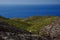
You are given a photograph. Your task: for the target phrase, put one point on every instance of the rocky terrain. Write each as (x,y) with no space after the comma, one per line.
(52,31)
(8,32)
(32,28)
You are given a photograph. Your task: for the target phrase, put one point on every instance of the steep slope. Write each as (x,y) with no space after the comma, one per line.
(39,22)
(32,24)
(10,32)
(47,26)
(52,31)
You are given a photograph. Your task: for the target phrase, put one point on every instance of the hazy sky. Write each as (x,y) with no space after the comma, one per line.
(29,1)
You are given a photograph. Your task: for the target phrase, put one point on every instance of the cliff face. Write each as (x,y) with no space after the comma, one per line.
(52,31)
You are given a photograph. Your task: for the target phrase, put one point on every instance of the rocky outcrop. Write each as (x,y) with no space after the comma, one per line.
(52,31)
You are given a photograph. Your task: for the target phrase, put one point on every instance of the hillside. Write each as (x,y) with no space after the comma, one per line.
(47,27)
(32,24)
(52,30)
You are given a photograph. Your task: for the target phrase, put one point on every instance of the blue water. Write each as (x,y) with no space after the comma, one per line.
(23,11)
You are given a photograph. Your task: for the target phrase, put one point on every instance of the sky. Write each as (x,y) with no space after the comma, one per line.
(29,1)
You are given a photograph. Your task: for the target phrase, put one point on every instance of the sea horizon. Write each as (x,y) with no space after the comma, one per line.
(24,11)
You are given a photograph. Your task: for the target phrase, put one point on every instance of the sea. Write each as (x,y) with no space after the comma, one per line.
(24,11)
